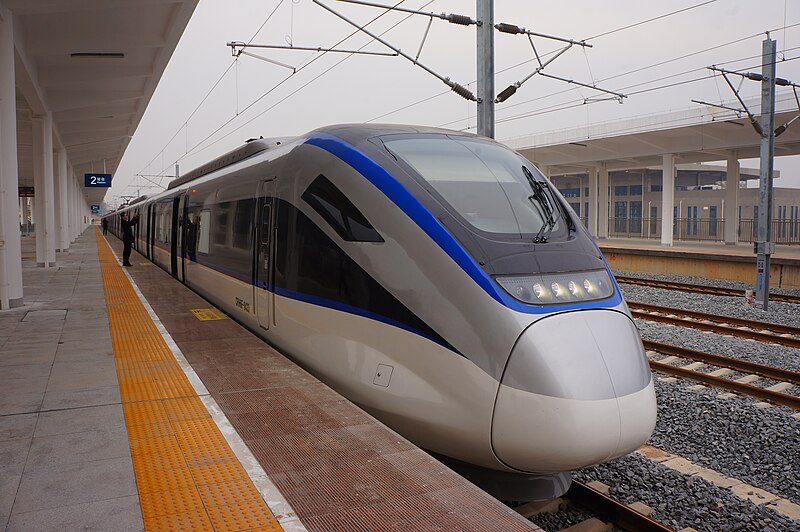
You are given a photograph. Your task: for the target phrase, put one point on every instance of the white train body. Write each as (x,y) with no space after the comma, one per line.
(383,260)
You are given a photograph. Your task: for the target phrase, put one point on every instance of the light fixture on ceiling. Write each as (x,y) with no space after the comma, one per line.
(101,55)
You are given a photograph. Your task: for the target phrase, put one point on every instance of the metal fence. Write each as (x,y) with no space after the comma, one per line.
(702,229)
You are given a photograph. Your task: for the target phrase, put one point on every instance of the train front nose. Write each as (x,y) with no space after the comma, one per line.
(577,391)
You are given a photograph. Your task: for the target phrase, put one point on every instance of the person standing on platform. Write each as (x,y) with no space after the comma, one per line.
(127,237)
(104,223)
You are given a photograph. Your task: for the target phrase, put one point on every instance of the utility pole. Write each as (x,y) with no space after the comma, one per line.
(485,99)
(765,247)
(485,16)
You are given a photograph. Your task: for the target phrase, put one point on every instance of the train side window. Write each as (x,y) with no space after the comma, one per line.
(243,224)
(204,231)
(339,212)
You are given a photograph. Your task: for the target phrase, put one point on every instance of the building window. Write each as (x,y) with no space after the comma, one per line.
(636,217)
(620,216)
(570,192)
(621,190)
(712,223)
(655,188)
(691,221)
(635,190)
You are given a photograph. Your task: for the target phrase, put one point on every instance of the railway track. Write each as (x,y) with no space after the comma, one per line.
(607,509)
(787,378)
(700,289)
(756,330)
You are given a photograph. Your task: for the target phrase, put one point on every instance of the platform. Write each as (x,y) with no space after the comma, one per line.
(107,416)
(713,260)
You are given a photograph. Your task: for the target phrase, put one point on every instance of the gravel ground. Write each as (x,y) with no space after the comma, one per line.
(703,281)
(731,436)
(779,356)
(778,312)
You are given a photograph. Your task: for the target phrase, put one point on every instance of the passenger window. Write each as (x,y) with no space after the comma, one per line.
(204,231)
(339,212)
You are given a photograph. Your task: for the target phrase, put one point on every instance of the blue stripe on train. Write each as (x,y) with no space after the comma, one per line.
(397,193)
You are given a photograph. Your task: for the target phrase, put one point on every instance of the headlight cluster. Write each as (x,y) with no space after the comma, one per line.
(554,288)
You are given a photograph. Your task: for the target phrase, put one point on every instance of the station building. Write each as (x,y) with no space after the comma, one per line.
(654,176)
(699,210)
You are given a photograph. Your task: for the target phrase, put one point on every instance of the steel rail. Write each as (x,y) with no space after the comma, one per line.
(761,393)
(611,510)
(721,324)
(719,360)
(700,289)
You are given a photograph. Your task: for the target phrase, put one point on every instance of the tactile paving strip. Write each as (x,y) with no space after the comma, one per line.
(187,476)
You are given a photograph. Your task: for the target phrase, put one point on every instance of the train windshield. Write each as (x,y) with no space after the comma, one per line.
(491,187)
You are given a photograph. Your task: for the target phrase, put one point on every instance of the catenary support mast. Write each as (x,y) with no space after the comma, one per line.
(485,16)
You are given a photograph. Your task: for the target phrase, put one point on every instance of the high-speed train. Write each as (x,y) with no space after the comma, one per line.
(435,278)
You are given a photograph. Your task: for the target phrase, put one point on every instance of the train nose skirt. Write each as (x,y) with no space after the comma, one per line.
(576,391)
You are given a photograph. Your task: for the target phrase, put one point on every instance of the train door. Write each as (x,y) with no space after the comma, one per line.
(151,230)
(263,253)
(175,237)
(182,232)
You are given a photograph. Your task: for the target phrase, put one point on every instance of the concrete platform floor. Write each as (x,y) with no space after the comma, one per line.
(65,457)
(65,462)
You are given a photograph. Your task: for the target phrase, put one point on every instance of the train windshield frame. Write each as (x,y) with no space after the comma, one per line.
(495,191)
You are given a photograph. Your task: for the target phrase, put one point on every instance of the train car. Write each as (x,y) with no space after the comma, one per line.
(435,278)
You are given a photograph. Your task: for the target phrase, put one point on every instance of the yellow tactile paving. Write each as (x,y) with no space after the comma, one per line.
(187,476)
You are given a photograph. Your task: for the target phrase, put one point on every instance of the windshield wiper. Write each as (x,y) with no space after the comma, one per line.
(543,204)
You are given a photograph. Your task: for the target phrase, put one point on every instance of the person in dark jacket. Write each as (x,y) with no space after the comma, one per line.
(104,223)
(127,237)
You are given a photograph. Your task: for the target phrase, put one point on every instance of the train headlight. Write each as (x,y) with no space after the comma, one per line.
(541,292)
(551,288)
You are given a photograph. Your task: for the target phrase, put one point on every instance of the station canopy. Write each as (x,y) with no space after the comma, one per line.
(696,135)
(95,65)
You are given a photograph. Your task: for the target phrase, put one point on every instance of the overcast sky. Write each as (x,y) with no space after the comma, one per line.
(258,98)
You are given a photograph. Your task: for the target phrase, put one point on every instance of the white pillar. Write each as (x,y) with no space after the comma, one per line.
(10,245)
(62,202)
(74,203)
(43,181)
(591,178)
(602,201)
(75,211)
(731,213)
(667,198)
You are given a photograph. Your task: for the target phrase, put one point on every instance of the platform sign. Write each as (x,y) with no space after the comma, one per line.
(26,192)
(95,209)
(97,180)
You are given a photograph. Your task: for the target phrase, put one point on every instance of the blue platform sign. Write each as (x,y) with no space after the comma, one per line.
(97,180)
(95,209)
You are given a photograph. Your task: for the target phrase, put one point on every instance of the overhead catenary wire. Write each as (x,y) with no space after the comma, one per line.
(622,74)
(567,105)
(647,82)
(197,147)
(211,90)
(626,88)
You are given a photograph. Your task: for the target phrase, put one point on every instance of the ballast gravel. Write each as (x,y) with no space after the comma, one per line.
(732,436)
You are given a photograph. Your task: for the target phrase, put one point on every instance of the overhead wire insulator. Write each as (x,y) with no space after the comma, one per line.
(454,18)
(509,28)
(461,90)
(507,93)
